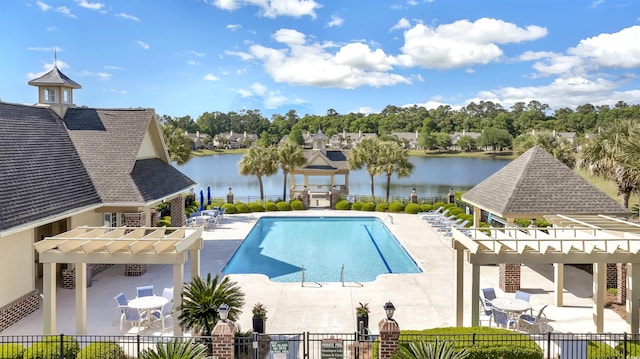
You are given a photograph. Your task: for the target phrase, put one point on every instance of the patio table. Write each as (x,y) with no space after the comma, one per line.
(512,306)
(146,306)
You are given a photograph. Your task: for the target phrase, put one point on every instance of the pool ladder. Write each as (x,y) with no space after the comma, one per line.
(389,218)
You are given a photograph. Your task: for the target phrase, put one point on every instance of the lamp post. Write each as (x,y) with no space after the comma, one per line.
(389,309)
(223,310)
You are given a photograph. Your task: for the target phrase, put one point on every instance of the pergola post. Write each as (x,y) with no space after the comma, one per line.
(194,263)
(178,274)
(475,292)
(599,287)
(633,297)
(477,212)
(459,289)
(49,302)
(81,298)
(558,279)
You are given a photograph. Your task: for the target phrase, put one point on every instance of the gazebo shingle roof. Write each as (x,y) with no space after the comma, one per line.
(537,184)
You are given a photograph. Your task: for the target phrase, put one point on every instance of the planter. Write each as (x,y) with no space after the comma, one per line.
(258,325)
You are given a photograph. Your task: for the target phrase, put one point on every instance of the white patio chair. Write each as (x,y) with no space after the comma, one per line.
(128,315)
(534,324)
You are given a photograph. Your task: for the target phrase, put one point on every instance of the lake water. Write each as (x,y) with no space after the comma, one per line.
(432,176)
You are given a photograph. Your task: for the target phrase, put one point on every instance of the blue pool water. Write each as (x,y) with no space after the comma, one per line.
(280,246)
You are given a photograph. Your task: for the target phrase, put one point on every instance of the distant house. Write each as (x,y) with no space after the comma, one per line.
(455,137)
(62,167)
(231,140)
(198,140)
(347,140)
(408,140)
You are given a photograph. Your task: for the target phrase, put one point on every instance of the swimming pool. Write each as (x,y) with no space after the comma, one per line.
(279,247)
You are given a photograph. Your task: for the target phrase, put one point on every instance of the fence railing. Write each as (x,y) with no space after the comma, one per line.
(330,345)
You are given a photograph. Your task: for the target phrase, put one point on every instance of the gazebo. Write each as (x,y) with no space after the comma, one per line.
(588,227)
(115,245)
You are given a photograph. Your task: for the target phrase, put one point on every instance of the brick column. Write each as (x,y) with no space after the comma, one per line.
(154,217)
(509,277)
(176,206)
(305,198)
(222,339)
(622,282)
(334,198)
(389,337)
(134,220)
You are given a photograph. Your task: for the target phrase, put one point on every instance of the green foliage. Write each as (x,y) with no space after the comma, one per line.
(382,207)
(229,208)
(357,206)
(426,350)
(633,349)
(242,208)
(175,349)
(102,350)
(456,211)
(11,350)
(425,207)
(612,291)
(438,205)
(283,206)
(412,208)
(256,207)
(368,206)
(165,221)
(396,207)
(343,205)
(49,348)
(201,300)
(297,205)
(505,352)
(598,350)
(270,206)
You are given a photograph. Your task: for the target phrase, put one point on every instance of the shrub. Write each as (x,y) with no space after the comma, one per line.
(598,350)
(412,208)
(283,206)
(382,207)
(49,348)
(425,207)
(102,350)
(165,221)
(456,211)
(368,206)
(396,207)
(343,205)
(297,205)
(11,351)
(270,206)
(242,208)
(357,206)
(256,207)
(230,208)
(438,205)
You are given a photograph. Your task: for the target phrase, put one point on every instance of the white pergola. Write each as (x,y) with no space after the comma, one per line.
(115,245)
(575,239)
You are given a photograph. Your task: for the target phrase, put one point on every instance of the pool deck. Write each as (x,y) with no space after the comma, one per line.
(422,300)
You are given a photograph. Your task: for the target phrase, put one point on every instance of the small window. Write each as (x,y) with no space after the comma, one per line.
(66,96)
(49,95)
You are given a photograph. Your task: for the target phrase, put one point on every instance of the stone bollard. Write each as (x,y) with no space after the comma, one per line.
(230,196)
(222,340)
(389,338)
(413,198)
(305,198)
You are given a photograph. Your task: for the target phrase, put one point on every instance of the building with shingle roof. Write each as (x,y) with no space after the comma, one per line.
(536,184)
(62,167)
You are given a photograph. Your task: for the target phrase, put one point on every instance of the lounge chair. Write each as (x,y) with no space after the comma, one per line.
(128,315)
(144,291)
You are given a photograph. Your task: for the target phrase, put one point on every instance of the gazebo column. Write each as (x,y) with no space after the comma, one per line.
(459,286)
(194,262)
(633,297)
(477,212)
(178,274)
(81,298)
(599,288)
(49,302)
(509,277)
(558,279)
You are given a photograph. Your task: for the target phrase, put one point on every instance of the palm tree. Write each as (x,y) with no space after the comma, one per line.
(606,156)
(366,155)
(436,350)
(201,299)
(259,161)
(175,349)
(394,159)
(290,157)
(178,144)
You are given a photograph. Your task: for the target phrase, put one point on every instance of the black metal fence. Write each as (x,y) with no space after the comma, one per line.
(326,345)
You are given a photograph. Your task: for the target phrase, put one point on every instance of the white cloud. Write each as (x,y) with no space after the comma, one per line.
(46,68)
(259,89)
(273,8)
(351,66)
(617,50)
(535,55)
(233,27)
(99,75)
(197,54)
(596,3)
(193,62)
(60,9)
(92,6)
(462,43)
(336,21)
(111,67)
(127,17)
(274,100)
(401,24)
(245,93)
(211,77)
(44,6)
(47,49)
(143,44)
(242,55)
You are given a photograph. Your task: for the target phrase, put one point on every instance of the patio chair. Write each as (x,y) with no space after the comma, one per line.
(487,312)
(189,222)
(128,315)
(523,295)
(489,295)
(144,291)
(502,319)
(533,324)
(221,212)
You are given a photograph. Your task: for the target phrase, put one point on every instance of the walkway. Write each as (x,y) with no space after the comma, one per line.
(422,300)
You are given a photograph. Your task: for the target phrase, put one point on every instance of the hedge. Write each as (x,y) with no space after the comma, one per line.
(368,206)
(49,348)
(357,206)
(11,351)
(256,207)
(270,206)
(297,205)
(425,207)
(230,208)
(283,206)
(343,205)
(396,207)
(102,350)
(412,208)
(242,208)
(382,207)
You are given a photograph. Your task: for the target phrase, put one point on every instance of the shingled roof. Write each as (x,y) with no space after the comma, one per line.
(537,184)
(41,172)
(55,77)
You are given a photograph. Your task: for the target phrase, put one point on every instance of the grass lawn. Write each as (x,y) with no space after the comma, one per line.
(607,186)
(507,155)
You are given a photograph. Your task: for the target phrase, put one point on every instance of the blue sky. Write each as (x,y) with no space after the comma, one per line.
(187,57)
